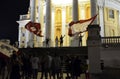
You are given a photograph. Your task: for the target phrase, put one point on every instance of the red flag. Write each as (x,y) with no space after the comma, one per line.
(34,28)
(79,26)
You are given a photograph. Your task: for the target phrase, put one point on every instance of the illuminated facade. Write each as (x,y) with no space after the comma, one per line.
(55,15)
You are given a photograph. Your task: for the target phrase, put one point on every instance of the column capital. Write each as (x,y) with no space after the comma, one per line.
(101,7)
(100,4)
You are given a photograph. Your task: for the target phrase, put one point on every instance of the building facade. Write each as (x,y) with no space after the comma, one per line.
(55,15)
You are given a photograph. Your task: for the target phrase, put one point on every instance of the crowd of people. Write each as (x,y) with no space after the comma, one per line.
(51,66)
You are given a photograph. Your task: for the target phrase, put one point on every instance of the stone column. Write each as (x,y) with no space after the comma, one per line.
(32,11)
(75,10)
(48,20)
(101,19)
(32,18)
(75,40)
(53,26)
(94,43)
(64,25)
(93,9)
(100,5)
(41,20)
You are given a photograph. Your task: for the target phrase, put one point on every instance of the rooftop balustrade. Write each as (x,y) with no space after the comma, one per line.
(110,41)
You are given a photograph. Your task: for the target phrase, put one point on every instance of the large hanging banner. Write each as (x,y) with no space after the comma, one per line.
(79,26)
(6,49)
(35,28)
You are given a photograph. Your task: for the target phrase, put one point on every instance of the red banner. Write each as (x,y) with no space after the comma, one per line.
(34,28)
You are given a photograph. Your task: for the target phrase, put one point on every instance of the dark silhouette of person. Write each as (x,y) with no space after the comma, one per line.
(23,59)
(46,65)
(102,64)
(77,67)
(47,42)
(56,41)
(72,67)
(3,63)
(15,67)
(56,66)
(61,40)
(26,67)
(35,65)
(80,40)
(68,67)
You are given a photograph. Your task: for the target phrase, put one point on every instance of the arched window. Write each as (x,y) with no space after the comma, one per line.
(58,17)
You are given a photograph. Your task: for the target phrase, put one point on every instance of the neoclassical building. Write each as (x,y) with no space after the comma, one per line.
(55,15)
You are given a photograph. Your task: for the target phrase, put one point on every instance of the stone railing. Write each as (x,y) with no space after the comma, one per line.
(110,41)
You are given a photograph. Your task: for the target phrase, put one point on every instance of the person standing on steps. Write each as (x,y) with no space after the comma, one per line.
(61,40)
(47,40)
(80,40)
(56,41)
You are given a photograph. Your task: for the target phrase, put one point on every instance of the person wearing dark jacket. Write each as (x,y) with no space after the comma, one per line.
(77,68)
(15,67)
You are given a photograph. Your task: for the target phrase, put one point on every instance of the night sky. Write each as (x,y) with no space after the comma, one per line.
(9,14)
